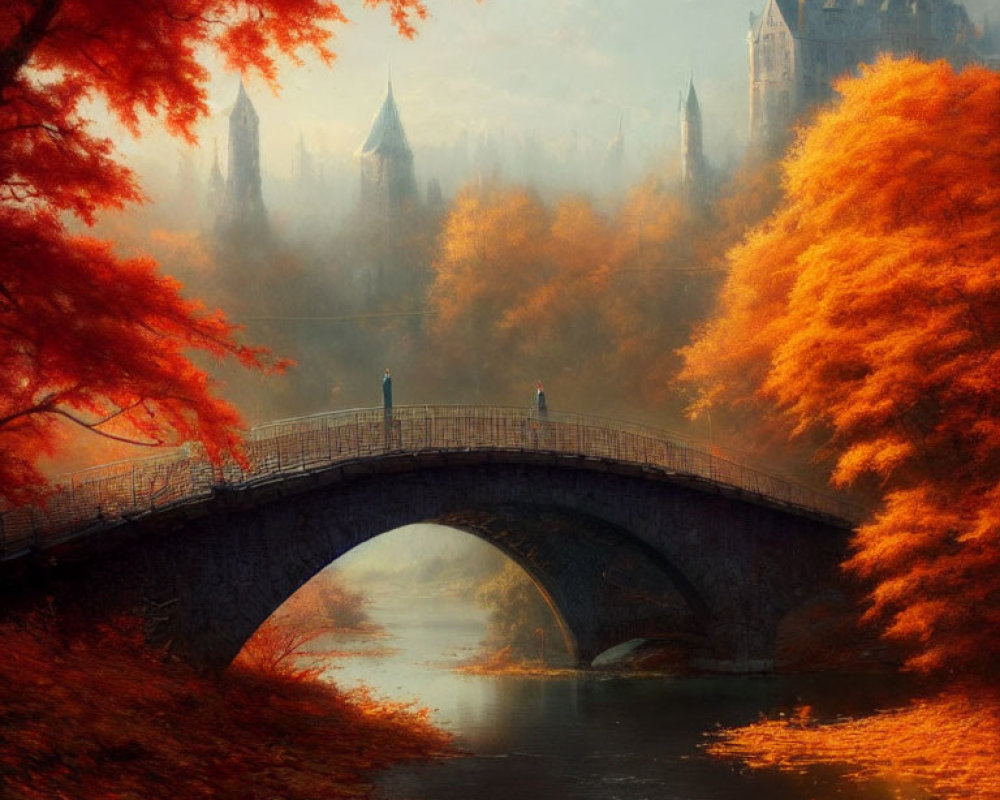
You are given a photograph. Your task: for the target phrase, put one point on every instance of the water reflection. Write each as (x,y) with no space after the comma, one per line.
(588,736)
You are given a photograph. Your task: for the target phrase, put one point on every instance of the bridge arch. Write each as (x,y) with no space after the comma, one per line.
(705,557)
(605,585)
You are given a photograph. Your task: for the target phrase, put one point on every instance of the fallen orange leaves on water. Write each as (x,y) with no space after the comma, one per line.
(949,745)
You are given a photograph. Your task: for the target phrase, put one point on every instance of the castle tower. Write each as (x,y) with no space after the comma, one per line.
(798,48)
(243,206)
(693,166)
(774,87)
(388,184)
(216,183)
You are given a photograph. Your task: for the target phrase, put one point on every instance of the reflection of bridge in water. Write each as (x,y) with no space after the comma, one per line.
(628,531)
(102,497)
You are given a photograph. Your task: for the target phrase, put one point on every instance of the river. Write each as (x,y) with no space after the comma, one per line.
(593,736)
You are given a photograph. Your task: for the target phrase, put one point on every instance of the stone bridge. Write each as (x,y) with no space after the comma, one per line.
(630,532)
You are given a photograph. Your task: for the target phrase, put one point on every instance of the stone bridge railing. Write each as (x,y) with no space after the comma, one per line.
(97,498)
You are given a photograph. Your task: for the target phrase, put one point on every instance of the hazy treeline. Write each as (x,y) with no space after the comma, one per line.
(472,300)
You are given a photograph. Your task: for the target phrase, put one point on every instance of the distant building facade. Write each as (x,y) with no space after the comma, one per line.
(388,182)
(799,47)
(242,208)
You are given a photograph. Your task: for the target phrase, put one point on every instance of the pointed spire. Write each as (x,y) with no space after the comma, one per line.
(386,134)
(243,208)
(243,105)
(616,147)
(388,185)
(693,169)
(215,175)
(691,105)
(216,183)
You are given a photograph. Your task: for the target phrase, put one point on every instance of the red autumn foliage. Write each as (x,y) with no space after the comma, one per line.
(867,311)
(90,338)
(95,715)
(324,605)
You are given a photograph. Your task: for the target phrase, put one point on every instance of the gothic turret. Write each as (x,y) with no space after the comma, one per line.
(216,183)
(693,167)
(243,206)
(388,185)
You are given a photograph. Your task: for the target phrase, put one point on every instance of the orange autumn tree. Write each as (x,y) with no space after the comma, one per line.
(868,308)
(491,259)
(89,338)
(593,303)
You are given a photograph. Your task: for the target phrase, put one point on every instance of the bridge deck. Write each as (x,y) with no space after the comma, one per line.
(104,496)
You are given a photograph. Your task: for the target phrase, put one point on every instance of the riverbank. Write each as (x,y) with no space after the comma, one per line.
(96,715)
(948,745)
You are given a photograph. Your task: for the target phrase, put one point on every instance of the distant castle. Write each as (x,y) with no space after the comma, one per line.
(799,47)
(388,182)
(694,167)
(388,185)
(241,206)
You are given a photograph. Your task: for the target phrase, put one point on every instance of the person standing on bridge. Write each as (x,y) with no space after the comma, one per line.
(540,405)
(387,408)
(387,390)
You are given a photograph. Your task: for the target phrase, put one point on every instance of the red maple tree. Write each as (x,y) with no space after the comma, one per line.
(87,337)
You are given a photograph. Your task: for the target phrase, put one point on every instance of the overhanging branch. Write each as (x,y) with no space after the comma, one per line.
(16,54)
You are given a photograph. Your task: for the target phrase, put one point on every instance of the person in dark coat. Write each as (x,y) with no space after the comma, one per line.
(387,408)
(387,389)
(540,405)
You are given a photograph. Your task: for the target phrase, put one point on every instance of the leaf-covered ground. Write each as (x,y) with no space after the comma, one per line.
(97,716)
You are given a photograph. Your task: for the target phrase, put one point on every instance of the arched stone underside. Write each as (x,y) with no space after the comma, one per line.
(604,584)
(621,555)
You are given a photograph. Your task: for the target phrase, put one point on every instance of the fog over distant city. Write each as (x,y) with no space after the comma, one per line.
(568,100)
(512,84)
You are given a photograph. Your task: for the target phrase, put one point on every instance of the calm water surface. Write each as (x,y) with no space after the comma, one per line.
(588,736)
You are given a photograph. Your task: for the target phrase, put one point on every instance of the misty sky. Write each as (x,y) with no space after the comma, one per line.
(558,71)
(561,71)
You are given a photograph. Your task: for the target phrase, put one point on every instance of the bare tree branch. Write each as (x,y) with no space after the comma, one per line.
(91,427)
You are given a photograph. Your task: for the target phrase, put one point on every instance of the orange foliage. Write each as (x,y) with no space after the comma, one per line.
(90,338)
(868,309)
(594,304)
(280,650)
(325,603)
(491,259)
(505,662)
(280,646)
(97,716)
(949,746)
